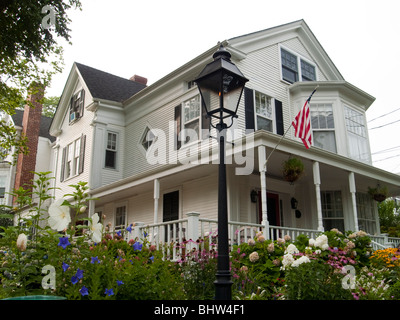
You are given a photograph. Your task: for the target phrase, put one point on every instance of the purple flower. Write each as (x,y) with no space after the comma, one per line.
(129,228)
(137,246)
(65,266)
(84,291)
(79,274)
(64,242)
(109,292)
(94,259)
(74,279)
(119,282)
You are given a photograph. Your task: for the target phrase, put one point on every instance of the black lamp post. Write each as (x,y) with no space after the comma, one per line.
(221,85)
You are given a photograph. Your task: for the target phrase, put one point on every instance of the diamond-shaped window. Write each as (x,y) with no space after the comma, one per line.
(148,138)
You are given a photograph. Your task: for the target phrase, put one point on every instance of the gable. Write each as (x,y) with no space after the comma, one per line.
(297,36)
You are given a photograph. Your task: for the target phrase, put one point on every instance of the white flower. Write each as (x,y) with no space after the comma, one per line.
(96,228)
(21,242)
(322,242)
(287,261)
(311,242)
(291,248)
(254,256)
(59,217)
(303,259)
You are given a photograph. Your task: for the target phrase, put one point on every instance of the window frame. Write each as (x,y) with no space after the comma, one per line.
(299,72)
(72,162)
(327,128)
(331,218)
(124,216)
(114,151)
(76,106)
(144,141)
(191,120)
(256,114)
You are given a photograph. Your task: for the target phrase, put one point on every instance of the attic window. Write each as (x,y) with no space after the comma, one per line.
(76,106)
(296,68)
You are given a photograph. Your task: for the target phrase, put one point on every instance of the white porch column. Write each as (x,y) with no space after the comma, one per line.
(352,185)
(317,183)
(263,181)
(92,207)
(156,197)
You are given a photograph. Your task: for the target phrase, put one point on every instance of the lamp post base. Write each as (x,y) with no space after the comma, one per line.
(223,284)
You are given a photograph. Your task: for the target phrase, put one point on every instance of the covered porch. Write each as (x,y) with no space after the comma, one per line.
(332,193)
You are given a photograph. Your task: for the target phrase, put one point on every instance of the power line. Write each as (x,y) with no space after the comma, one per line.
(383,115)
(384,125)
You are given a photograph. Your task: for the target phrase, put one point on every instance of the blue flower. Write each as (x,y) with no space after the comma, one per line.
(151,258)
(119,282)
(74,279)
(64,242)
(109,292)
(94,259)
(79,274)
(145,234)
(119,233)
(84,291)
(129,228)
(137,246)
(65,266)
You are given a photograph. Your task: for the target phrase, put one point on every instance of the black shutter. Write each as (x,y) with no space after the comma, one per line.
(63,159)
(82,154)
(279,117)
(81,103)
(249,108)
(178,121)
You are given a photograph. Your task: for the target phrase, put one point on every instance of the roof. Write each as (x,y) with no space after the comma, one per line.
(103,85)
(45,123)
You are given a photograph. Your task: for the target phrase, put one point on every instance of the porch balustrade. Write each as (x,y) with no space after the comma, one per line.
(179,236)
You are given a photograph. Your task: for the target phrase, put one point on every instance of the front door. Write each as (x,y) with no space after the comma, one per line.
(273,210)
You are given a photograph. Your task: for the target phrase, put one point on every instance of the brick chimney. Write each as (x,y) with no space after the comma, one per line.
(26,163)
(139,79)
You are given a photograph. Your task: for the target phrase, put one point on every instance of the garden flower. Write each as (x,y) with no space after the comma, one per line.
(271,247)
(254,256)
(94,259)
(79,273)
(119,282)
(59,217)
(96,228)
(303,259)
(291,248)
(137,246)
(109,292)
(74,279)
(65,266)
(251,242)
(64,242)
(84,291)
(322,242)
(21,242)
(129,228)
(287,261)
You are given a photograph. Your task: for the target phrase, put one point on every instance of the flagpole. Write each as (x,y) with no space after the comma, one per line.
(287,130)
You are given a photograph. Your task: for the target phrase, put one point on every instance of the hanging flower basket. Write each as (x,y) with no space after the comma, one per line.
(379,193)
(292,169)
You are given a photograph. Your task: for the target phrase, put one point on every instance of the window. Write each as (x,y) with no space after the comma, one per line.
(332,210)
(73,155)
(264,112)
(191,118)
(365,213)
(76,106)
(323,126)
(111,151)
(2,187)
(290,68)
(357,135)
(120,217)
(148,138)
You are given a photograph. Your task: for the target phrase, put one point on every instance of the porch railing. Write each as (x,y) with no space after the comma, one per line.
(178,236)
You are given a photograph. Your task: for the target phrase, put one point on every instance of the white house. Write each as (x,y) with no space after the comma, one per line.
(147,154)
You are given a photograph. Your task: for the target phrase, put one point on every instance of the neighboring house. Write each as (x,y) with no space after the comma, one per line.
(31,123)
(147,154)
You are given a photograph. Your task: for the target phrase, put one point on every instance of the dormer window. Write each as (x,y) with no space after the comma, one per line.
(76,106)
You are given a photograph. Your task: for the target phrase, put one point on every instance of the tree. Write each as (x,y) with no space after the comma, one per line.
(29,52)
(50,106)
(389,218)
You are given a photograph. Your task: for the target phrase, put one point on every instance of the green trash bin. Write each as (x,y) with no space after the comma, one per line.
(37,297)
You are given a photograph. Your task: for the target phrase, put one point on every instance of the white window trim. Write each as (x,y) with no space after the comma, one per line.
(299,58)
(74,170)
(326,129)
(116,151)
(273,116)
(118,205)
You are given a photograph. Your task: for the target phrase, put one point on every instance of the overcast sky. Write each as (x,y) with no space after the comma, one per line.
(154,37)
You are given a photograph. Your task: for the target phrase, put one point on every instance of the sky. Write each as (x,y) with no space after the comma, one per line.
(154,37)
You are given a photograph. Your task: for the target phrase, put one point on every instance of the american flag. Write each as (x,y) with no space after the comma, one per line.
(302,123)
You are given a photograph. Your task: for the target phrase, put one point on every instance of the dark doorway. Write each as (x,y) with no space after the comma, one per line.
(170,209)
(273,209)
